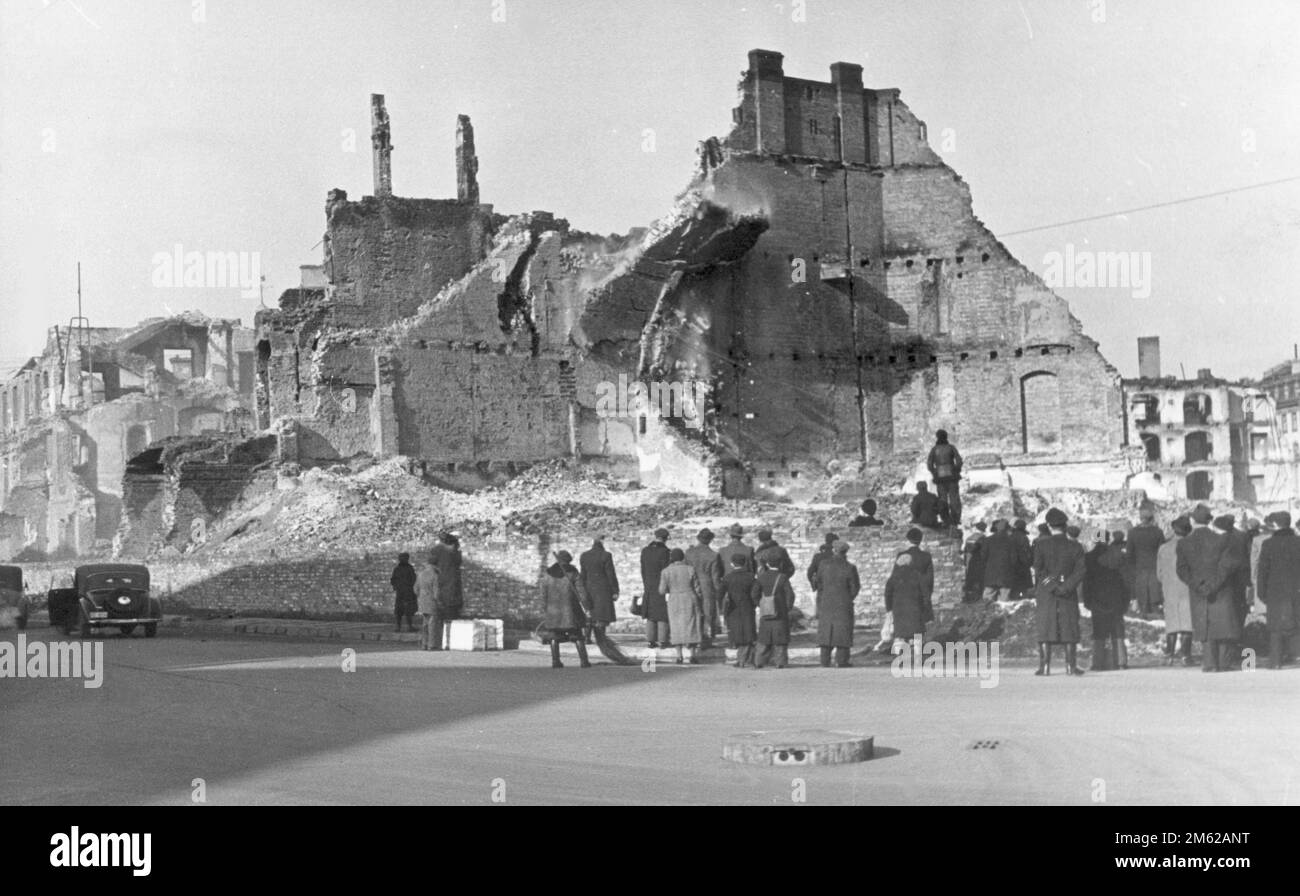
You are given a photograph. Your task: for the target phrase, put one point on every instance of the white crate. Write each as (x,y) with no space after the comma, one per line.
(474,634)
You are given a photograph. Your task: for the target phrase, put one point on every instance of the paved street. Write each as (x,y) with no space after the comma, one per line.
(278,721)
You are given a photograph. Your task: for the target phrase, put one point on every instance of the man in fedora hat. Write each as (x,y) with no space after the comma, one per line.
(708,570)
(1205,564)
(838,585)
(737,548)
(447,557)
(1058,567)
(654,560)
(1278,586)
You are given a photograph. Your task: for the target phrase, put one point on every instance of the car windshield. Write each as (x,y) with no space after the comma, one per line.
(105,581)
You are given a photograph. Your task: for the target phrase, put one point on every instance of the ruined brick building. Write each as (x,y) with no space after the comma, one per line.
(823,279)
(71,419)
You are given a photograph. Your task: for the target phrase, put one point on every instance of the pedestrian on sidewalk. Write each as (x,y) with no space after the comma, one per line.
(405,603)
(448,558)
(596,571)
(1106,596)
(1278,586)
(1058,568)
(654,560)
(838,586)
(905,600)
(1174,593)
(426,586)
(567,608)
(708,572)
(680,588)
(775,599)
(1205,564)
(736,596)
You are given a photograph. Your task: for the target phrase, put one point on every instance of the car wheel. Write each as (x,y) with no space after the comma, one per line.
(150,629)
(85,630)
(127,629)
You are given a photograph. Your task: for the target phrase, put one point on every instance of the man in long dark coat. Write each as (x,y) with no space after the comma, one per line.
(1023,559)
(447,558)
(823,553)
(736,597)
(403,582)
(1239,580)
(923,563)
(1205,563)
(1105,594)
(999,563)
(1144,541)
(973,551)
(767,545)
(1278,585)
(708,569)
(774,628)
(596,570)
(737,547)
(1058,567)
(838,587)
(654,560)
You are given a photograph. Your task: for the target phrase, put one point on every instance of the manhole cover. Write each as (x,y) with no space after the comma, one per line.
(810,746)
(983,745)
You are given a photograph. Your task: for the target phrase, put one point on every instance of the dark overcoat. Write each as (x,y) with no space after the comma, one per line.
(403,582)
(999,561)
(447,558)
(596,568)
(973,584)
(1205,563)
(565,602)
(736,597)
(905,598)
(1278,580)
(925,509)
(823,553)
(923,563)
(785,565)
(840,585)
(654,560)
(704,560)
(730,549)
(1023,559)
(1058,567)
(1104,591)
(774,631)
(1144,549)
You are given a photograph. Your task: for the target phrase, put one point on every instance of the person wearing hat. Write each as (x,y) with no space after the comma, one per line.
(925,508)
(1144,541)
(1205,564)
(1259,534)
(823,553)
(447,557)
(1278,586)
(404,599)
(708,570)
(838,585)
(767,545)
(736,596)
(1058,567)
(972,550)
(1239,549)
(775,599)
(1023,558)
(737,548)
(427,602)
(1175,596)
(654,560)
(1106,597)
(567,608)
(600,580)
(867,517)
(999,563)
(923,565)
(682,594)
(944,464)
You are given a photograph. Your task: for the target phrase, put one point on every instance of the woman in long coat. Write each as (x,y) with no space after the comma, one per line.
(1178,602)
(736,598)
(601,583)
(839,587)
(566,609)
(905,598)
(680,587)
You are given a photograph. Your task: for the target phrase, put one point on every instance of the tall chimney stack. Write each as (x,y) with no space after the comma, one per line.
(1149,357)
(383,147)
(466,161)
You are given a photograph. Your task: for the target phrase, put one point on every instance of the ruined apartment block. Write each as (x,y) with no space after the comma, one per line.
(823,277)
(73,417)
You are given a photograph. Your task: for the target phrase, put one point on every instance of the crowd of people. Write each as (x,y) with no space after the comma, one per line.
(1202,576)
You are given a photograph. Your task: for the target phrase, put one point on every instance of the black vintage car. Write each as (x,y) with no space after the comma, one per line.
(12,597)
(116,595)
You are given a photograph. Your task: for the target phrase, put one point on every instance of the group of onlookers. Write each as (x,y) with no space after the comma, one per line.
(433,590)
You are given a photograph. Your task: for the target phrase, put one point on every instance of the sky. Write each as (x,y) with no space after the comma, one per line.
(131,127)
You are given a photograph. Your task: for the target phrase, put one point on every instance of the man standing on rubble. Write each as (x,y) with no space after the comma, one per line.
(944,464)
(654,560)
(925,507)
(708,571)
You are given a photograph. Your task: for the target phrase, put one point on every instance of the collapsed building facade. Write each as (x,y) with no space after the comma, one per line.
(72,418)
(822,283)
